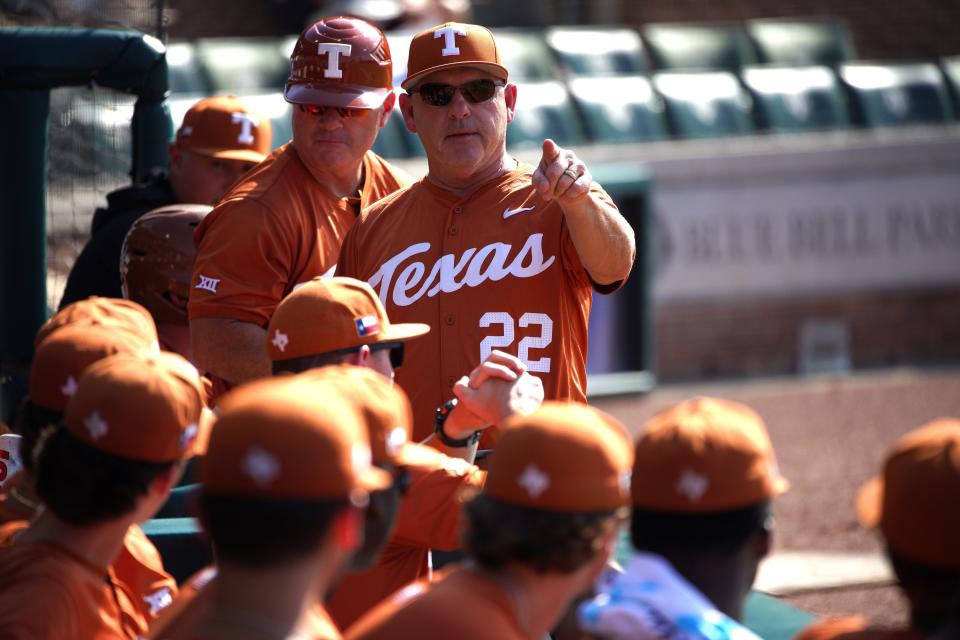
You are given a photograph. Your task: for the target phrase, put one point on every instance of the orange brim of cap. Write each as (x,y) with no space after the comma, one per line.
(244,155)
(403,331)
(870,502)
(350,96)
(492,68)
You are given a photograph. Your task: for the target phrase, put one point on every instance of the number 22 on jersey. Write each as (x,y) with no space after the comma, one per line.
(508,332)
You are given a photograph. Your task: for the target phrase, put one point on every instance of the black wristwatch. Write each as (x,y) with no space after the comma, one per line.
(443,412)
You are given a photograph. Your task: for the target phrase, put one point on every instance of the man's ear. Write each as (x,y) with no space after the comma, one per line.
(510,98)
(387,108)
(406,108)
(763,542)
(360,357)
(347,528)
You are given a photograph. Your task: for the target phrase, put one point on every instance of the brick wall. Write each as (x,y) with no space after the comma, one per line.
(724,339)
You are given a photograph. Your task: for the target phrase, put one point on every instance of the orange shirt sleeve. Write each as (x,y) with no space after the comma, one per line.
(140,567)
(245,255)
(40,609)
(429,515)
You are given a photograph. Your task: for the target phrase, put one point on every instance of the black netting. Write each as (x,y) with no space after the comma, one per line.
(89,156)
(146,16)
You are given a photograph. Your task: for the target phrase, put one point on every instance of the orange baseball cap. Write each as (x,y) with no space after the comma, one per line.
(702,455)
(330,314)
(134,315)
(449,45)
(386,412)
(65,354)
(914,502)
(565,457)
(145,407)
(225,127)
(292,437)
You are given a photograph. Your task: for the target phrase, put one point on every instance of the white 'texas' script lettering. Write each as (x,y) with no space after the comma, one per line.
(333,50)
(404,284)
(449,35)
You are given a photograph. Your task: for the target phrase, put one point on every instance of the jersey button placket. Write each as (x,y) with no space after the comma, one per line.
(449,334)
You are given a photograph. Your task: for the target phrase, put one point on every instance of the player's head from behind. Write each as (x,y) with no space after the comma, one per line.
(388,418)
(219,140)
(703,482)
(915,504)
(336,321)
(132,421)
(58,364)
(341,90)
(156,264)
(458,99)
(557,489)
(285,477)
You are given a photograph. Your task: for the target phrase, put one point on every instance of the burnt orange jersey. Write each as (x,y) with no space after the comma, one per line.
(193,617)
(428,518)
(495,269)
(274,229)
(138,569)
(48,592)
(460,604)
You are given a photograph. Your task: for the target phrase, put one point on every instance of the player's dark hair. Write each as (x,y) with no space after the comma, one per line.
(665,532)
(305,363)
(498,534)
(85,486)
(258,532)
(917,578)
(30,422)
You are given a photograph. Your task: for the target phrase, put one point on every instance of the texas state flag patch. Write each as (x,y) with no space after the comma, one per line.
(367,326)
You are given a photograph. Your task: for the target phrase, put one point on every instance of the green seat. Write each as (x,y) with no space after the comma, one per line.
(619,109)
(244,65)
(701,46)
(181,503)
(526,55)
(704,104)
(395,141)
(896,93)
(598,52)
(788,99)
(544,110)
(186,75)
(181,544)
(771,619)
(808,42)
(951,71)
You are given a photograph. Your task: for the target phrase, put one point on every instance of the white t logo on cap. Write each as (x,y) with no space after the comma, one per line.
(449,35)
(333,50)
(247,122)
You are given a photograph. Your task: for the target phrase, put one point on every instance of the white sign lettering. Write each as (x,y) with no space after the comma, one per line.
(333,50)
(449,35)
(404,282)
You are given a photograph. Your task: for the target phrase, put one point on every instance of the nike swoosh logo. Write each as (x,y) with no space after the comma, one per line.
(512,212)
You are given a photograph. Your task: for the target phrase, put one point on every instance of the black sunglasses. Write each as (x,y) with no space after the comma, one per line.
(396,351)
(437,94)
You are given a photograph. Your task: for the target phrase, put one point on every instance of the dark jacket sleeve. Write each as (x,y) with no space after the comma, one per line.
(96,271)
